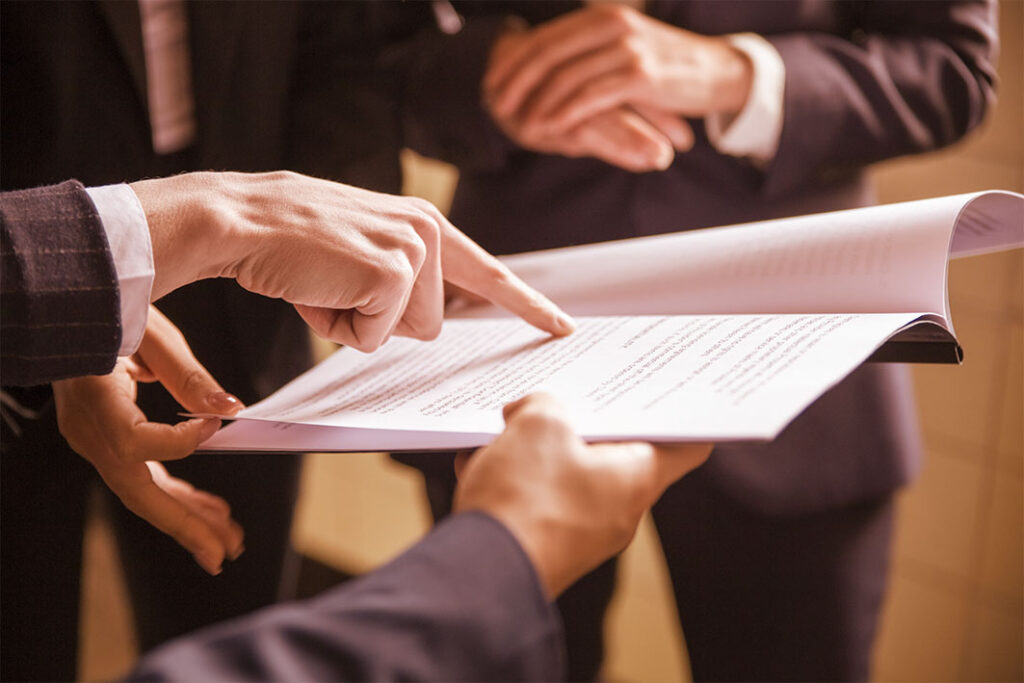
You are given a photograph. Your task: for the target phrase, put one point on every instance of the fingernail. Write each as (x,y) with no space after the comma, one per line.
(664,158)
(237,553)
(210,562)
(223,402)
(565,324)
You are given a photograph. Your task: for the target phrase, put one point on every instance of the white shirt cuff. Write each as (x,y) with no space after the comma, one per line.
(754,132)
(128,236)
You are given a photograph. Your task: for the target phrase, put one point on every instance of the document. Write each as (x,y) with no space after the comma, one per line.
(724,334)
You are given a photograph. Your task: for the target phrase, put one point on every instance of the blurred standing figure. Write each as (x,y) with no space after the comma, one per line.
(112,91)
(576,123)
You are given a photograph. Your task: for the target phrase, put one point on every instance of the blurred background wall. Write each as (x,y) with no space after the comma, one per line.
(955,609)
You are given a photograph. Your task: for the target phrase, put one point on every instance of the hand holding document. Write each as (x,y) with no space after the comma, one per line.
(723,334)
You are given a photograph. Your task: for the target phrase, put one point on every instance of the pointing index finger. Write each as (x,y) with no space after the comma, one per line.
(465,264)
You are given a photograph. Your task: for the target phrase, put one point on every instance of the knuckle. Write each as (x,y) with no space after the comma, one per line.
(498,274)
(429,331)
(415,249)
(535,420)
(395,273)
(185,527)
(617,14)
(420,204)
(194,380)
(282,175)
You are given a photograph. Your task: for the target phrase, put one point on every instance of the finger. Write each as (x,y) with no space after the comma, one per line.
(672,126)
(461,460)
(457,295)
(143,497)
(570,78)
(156,441)
(537,402)
(424,310)
(138,370)
(368,324)
(674,461)
(350,327)
(512,78)
(468,266)
(622,138)
(166,353)
(212,509)
(601,94)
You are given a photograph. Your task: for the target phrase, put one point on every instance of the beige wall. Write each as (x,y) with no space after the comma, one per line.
(954,610)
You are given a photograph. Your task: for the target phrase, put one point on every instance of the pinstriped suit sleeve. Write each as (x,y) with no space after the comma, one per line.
(60,308)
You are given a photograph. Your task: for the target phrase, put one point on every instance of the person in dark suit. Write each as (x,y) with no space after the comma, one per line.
(469,602)
(274,85)
(778,553)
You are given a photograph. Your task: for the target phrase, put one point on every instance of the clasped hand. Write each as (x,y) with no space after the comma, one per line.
(609,82)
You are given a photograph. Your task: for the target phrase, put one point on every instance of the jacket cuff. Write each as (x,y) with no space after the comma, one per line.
(60,306)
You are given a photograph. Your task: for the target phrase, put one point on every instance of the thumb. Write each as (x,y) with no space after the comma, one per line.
(672,462)
(166,353)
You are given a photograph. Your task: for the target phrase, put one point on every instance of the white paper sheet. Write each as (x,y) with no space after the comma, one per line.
(661,378)
(776,312)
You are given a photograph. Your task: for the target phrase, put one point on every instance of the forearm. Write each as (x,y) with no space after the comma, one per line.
(462,604)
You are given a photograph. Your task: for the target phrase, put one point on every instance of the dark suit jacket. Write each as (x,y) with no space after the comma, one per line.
(60,308)
(277,85)
(462,604)
(864,82)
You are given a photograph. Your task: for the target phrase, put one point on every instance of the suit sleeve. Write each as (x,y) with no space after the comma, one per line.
(60,304)
(463,604)
(907,77)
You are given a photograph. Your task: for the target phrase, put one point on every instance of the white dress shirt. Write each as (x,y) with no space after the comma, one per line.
(128,236)
(753,132)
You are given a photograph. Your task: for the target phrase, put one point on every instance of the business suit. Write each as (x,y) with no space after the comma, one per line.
(275,86)
(864,82)
(463,604)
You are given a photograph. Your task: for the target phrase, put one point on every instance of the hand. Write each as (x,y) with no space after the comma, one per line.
(100,420)
(603,57)
(570,505)
(620,136)
(359,266)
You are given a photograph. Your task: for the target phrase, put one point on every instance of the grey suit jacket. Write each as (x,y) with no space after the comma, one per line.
(463,604)
(865,81)
(59,310)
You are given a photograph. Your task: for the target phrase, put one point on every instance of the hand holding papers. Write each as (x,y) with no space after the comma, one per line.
(776,313)
(566,530)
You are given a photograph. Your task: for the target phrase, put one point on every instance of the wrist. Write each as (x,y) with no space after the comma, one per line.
(189,225)
(736,78)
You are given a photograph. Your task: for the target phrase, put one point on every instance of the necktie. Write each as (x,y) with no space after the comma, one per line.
(168,74)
